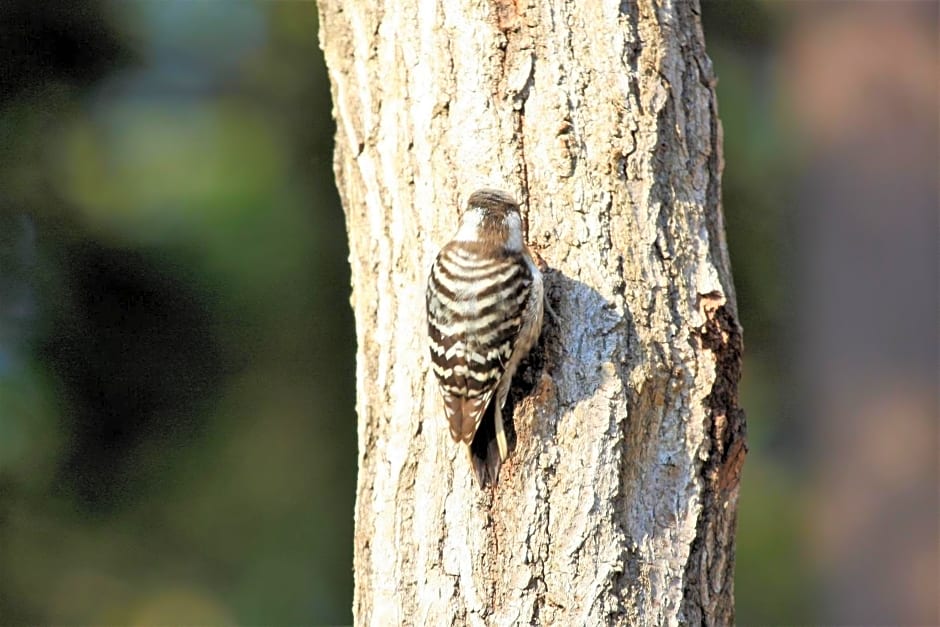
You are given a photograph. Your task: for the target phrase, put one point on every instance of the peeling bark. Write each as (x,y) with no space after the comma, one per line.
(617,504)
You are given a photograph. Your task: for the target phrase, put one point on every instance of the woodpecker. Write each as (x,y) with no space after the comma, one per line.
(484,306)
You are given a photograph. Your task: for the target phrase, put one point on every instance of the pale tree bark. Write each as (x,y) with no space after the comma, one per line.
(617,504)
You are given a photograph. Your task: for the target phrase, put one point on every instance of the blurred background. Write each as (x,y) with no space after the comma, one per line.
(177,426)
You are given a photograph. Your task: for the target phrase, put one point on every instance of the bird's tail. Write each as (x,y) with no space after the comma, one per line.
(484,451)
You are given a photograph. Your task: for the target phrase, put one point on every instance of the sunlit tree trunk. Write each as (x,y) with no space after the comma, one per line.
(617,504)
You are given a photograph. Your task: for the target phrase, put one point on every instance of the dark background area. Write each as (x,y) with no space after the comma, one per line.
(177,424)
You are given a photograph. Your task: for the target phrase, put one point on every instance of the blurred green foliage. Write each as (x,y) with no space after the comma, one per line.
(177,429)
(177,432)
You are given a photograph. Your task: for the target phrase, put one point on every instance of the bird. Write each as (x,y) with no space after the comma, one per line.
(485,305)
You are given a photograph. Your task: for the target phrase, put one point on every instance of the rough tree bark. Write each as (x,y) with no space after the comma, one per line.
(617,504)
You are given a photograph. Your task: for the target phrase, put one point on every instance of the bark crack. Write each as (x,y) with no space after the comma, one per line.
(709,576)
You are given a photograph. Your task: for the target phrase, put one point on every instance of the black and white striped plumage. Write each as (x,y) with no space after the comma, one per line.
(484,305)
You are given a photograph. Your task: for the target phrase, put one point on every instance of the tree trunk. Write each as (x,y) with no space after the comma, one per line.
(617,503)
